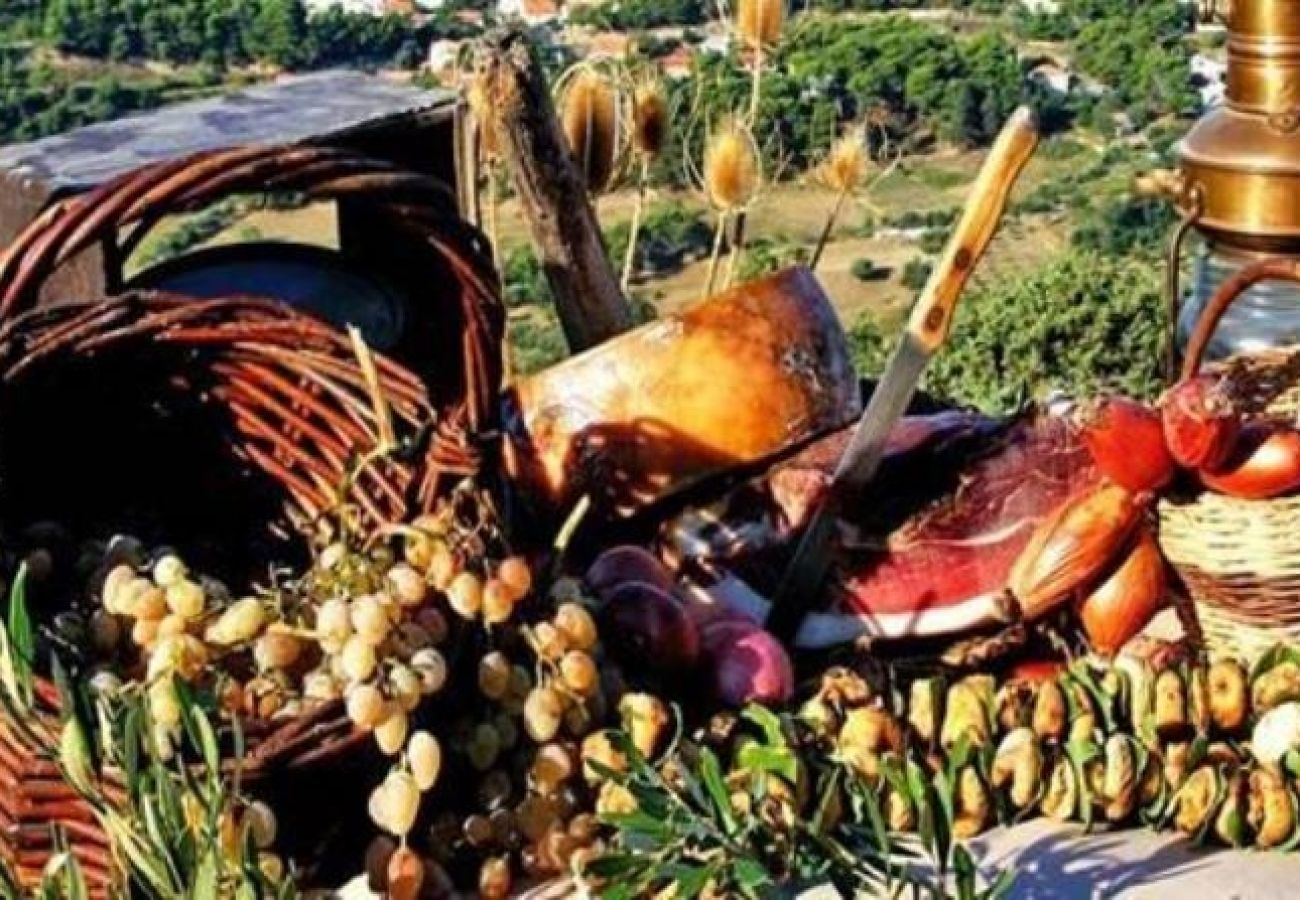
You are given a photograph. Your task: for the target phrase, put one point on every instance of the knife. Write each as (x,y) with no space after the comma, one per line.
(926,331)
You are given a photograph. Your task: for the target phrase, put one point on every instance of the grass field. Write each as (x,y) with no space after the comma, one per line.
(791,215)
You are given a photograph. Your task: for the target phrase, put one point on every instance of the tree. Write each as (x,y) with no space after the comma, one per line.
(280,30)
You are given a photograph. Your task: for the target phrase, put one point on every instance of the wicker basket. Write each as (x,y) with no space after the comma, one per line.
(1239,560)
(261,409)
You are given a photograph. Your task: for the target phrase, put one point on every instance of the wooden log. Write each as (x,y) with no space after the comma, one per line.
(553,193)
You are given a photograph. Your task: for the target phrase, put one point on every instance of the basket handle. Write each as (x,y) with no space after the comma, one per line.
(1274,268)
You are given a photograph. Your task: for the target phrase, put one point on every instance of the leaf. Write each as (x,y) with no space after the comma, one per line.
(711,776)
(688,880)
(768,722)
(764,760)
(614,865)
(751,877)
(22,636)
(639,823)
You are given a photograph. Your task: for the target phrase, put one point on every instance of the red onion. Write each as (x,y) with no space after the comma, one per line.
(747,664)
(620,565)
(646,626)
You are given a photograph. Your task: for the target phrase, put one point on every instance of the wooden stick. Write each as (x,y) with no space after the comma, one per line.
(552,191)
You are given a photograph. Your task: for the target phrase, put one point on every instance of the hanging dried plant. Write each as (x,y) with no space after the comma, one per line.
(592,121)
(731,176)
(649,134)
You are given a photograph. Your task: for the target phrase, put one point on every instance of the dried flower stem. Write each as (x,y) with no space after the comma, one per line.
(634,230)
(825,235)
(719,231)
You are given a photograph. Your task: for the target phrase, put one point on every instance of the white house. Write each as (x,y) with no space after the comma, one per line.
(364,7)
(532,12)
(1055,78)
(1208,77)
(1042,7)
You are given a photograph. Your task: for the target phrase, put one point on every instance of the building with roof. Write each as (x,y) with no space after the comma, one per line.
(532,12)
(410,127)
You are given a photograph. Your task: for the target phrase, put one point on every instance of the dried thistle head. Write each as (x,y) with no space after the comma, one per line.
(732,169)
(845,166)
(759,22)
(592,123)
(649,117)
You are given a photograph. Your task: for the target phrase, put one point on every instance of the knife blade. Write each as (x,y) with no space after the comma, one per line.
(927,329)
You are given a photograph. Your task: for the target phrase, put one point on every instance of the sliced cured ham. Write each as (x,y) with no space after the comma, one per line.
(928,552)
(963,546)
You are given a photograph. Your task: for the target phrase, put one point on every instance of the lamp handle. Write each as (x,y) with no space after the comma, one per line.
(1274,268)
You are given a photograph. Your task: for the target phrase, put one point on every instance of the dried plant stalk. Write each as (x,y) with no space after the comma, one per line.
(843,171)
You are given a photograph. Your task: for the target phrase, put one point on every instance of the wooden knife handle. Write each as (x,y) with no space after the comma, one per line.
(932,316)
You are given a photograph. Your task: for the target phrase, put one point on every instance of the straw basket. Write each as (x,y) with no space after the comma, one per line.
(1240,559)
(227,417)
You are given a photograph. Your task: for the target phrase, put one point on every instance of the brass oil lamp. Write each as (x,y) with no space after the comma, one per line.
(1238,180)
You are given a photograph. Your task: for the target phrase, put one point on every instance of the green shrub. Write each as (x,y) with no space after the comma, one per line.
(864,269)
(916,273)
(1080,323)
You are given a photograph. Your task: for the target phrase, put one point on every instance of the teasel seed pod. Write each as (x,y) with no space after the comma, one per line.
(846,164)
(1277,685)
(649,118)
(925,709)
(1061,799)
(1229,695)
(967,715)
(1197,800)
(1018,765)
(1271,808)
(732,169)
(1119,787)
(1170,706)
(1231,823)
(759,22)
(973,806)
(592,121)
(1050,714)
